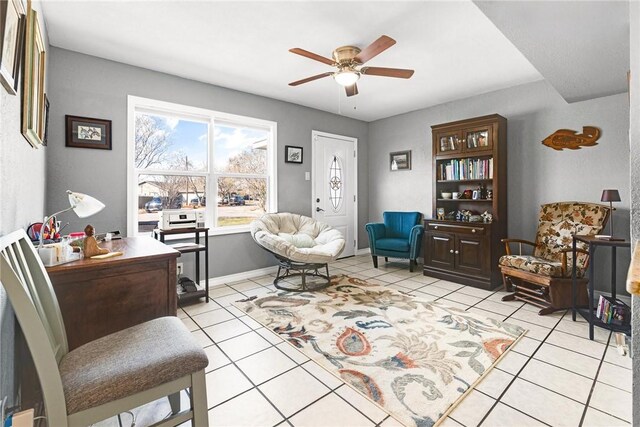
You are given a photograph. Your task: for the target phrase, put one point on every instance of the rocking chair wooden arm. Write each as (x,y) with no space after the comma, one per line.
(564,252)
(520,241)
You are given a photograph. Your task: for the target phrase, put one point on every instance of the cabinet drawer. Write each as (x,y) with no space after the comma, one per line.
(476,230)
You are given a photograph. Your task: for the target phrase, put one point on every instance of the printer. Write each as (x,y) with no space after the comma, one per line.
(171,219)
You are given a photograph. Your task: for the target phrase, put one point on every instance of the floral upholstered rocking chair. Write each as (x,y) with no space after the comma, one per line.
(544,278)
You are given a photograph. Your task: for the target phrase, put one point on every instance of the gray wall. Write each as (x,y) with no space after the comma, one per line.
(22,195)
(634,141)
(536,174)
(84,85)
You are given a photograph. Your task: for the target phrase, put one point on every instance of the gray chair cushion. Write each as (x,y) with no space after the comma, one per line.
(129,361)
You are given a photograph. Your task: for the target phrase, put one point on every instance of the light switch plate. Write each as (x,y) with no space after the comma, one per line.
(307,176)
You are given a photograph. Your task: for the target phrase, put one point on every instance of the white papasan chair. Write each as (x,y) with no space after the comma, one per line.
(301,244)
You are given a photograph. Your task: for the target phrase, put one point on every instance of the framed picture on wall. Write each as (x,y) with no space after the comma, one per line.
(86,132)
(45,137)
(12,22)
(34,78)
(292,154)
(400,160)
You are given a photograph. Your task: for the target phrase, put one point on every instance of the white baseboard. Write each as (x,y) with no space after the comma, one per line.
(220,280)
(363,251)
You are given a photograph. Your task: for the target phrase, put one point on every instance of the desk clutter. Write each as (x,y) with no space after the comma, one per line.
(57,249)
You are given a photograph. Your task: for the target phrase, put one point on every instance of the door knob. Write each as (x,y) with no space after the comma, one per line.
(473,230)
(319,210)
(451,251)
(457,252)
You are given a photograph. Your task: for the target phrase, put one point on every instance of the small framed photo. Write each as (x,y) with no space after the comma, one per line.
(440,213)
(85,132)
(400,160)
(292,154)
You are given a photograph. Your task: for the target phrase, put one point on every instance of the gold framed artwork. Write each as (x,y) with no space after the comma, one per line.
(34,81)
(12,21)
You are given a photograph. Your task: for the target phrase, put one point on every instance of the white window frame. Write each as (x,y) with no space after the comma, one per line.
(135,103)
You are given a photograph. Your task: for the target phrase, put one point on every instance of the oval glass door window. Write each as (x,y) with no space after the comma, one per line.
(335,184)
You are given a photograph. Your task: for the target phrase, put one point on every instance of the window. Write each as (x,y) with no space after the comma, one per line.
(189,158)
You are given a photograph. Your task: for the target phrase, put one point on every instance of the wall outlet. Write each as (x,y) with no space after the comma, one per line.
(180,268)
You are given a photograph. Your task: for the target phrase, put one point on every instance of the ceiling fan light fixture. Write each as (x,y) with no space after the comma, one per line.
(346,77)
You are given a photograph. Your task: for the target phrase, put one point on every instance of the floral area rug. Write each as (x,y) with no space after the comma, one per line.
(414,358)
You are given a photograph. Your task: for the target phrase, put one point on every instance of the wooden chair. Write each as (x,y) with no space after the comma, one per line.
(107,376)
(544,278)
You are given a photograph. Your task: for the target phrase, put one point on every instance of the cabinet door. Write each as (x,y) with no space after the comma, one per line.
(472,254)
(439,250)
(478,138)
(448,142)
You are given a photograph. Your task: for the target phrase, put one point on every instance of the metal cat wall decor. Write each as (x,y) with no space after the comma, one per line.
(567,138)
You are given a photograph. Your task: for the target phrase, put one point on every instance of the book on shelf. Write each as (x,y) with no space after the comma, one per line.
(612,311)
(465,169)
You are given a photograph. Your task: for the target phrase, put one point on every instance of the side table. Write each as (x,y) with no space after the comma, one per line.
(588,314)
(195,248)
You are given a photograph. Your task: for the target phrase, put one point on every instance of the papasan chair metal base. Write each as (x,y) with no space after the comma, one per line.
(303,247)
(303,270)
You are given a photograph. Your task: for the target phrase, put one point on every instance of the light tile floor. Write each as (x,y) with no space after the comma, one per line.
(554,376)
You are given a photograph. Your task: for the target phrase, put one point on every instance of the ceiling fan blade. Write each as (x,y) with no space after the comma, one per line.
(310,79)
(312,55)
(387,72)
(351,90)
(374,49)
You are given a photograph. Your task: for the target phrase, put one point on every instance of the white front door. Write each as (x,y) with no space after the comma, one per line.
(334,184)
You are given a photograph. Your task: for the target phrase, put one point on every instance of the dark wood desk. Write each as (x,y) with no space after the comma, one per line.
(99,297)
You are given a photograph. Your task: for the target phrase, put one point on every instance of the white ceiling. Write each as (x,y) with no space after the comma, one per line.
(454,48)
(581,48)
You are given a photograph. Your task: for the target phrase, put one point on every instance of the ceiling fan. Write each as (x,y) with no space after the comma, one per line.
(348,59)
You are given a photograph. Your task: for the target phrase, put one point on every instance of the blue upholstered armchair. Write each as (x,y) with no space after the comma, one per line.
(400,236)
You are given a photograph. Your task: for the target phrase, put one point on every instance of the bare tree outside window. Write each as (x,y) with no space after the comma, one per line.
(251,161)
(152,142)
(178,154)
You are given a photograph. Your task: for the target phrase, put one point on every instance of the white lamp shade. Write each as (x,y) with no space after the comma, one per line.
(346,78)
(84,205)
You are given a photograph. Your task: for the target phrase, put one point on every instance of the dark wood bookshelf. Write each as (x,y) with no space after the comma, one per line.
(453,181)
(468,252)
(465,200)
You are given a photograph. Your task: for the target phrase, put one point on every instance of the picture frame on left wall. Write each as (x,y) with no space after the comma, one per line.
(34,81)
(12,23)
(87,132)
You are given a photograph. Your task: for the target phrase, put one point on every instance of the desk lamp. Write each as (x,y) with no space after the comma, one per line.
(83,205)
(611,196)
